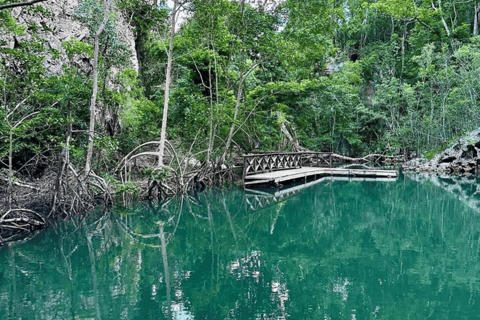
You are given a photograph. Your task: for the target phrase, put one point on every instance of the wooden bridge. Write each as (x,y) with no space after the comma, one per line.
(273,168)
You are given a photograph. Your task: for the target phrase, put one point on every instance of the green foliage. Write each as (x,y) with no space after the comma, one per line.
(8,24)
(431,153)
(259,70)
(157,174)
(73,47)
(115,52)
(144,16)
(128,187)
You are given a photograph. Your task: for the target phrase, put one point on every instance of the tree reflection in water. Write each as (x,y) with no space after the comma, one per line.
(338,250)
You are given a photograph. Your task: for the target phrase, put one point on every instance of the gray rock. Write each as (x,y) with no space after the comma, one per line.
(59,25)
(461,158)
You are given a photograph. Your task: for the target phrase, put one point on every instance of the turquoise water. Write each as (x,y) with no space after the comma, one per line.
(337,250)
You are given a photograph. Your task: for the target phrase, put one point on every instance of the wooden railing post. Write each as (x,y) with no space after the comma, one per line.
(244,170)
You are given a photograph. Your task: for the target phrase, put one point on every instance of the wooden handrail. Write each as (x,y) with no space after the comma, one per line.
(254,163)
(284,153)
(273,161)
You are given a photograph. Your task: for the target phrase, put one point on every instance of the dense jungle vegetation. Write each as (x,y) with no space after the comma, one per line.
(354,77)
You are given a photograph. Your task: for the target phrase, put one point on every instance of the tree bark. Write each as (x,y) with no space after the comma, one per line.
(10,169)
(168,79)
(235,115)
(20,4)
(237,101)
(475,20)
(91,127)
(210,134)
(441,16)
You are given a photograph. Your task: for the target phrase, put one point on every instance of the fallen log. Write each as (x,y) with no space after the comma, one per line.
(375,157)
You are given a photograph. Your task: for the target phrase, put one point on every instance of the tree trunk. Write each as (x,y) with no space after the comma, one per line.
(20,4)
(211,137)
(441,16)
(475,20)
(63,162)
(168,79)
(10,169)
(91,127)
(237,101)
(210,134)
(235,115)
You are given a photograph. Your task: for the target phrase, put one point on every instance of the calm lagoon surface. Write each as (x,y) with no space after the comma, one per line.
(408,249)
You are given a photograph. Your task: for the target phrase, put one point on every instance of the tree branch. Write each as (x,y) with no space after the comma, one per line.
(20,4)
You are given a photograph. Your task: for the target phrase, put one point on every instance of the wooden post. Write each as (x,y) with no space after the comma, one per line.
(244,170)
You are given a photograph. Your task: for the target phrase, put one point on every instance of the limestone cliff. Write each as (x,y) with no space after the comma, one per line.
(58,24)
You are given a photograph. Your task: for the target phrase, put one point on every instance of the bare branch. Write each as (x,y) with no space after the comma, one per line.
(21,184)
(20,4)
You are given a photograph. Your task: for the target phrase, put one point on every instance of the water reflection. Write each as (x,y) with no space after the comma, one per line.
(259,199)
(337,250)
(465,188)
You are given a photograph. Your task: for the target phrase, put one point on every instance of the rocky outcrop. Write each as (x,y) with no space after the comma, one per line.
(463,157)
(56,24)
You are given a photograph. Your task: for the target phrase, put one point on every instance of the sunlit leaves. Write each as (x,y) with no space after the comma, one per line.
(74,46)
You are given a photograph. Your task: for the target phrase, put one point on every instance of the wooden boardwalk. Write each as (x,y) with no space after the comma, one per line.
(275,168)
(305,172)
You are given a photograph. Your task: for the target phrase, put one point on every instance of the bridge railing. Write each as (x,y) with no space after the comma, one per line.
(269,162)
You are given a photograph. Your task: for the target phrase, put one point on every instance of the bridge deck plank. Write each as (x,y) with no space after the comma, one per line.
(291,174)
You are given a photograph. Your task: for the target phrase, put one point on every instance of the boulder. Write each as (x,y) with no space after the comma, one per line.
(463,157)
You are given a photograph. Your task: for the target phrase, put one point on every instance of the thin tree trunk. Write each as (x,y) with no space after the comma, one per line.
(10,169)
(12,125)
(235,115)
(168,79)
(403,48)
(475,20)
(210,135)
(441,16)
(216,95)
(20,4)
(237,101)
(63,163)
(91,127)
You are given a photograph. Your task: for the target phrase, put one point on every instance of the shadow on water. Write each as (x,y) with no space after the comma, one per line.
(338,250)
